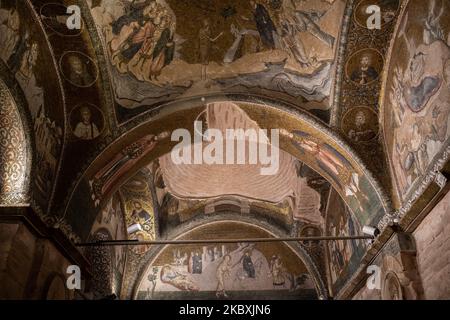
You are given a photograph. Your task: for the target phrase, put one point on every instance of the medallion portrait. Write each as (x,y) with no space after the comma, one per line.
(360,124)
(364,66)
(78,69)
(87,121)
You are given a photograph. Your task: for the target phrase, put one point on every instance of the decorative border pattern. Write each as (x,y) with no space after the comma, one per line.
(340,64)
(431,177)
(14,159)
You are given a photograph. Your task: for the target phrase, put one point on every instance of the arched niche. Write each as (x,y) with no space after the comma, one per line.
(15,152)
(234,270)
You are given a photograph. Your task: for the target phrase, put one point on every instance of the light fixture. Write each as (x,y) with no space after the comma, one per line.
(134,228)
(371,231)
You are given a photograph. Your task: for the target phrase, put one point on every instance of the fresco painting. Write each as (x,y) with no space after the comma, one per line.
(315,149)
(242,270)
(364,66)
(417,93)
(351,184)
(343,256)
(162,49)
(140,216)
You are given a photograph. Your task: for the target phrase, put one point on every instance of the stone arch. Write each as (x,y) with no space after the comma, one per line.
(359,189)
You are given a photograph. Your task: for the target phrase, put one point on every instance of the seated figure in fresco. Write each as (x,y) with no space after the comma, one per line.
(217,253)
(133,34)
(178,258)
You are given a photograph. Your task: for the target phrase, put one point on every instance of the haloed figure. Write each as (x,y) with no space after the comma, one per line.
(277,271)
(86,129)
(79,74)
(223,271)
(360,132)
(365,73)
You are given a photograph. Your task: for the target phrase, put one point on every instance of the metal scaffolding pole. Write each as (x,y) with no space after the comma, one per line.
(214,241)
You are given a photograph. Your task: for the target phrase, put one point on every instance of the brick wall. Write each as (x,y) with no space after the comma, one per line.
(433,251)
(29,264)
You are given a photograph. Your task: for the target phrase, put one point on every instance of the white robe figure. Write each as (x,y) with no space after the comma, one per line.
(86,131)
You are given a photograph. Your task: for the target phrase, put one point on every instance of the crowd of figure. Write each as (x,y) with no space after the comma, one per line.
(143,41)
(244,265)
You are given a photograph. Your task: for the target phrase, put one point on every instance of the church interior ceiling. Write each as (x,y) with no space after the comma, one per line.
(416,89)
(363,118)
